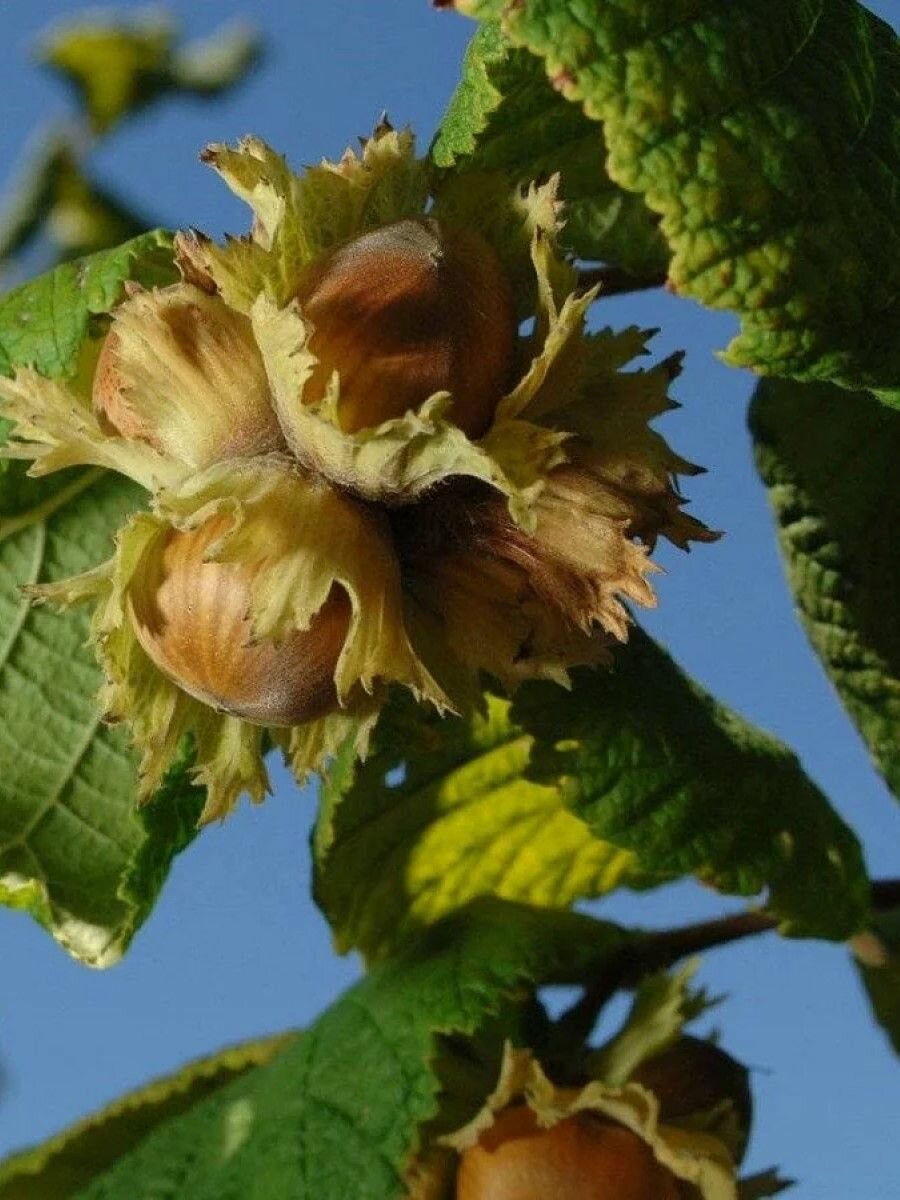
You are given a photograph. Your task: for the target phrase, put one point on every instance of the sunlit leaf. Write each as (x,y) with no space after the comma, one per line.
(439,814)
(634,776)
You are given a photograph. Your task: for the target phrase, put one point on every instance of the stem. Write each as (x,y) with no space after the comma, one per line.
(616,281)
(657,951)
(885,894)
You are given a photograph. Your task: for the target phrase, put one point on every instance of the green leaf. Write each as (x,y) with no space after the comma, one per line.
(43,324)
(633,777)
(878,958)
(505,116)
(654,764)
(463,822)
(74,850)
(339,1112)
(828,460)
(60,1167)
(118,69)
(766,136)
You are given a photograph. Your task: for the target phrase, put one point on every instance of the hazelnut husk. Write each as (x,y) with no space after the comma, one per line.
(580,1158)
(405,311)
(191,616)
(110,402)
(695,1076)
(181,372)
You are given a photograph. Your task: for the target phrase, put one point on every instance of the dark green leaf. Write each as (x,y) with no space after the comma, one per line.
(828,459)
(506,116)
(766,135)
(656,765)
(60,1167)
(338,1113)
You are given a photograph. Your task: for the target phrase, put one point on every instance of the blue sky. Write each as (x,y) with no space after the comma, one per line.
(235,947)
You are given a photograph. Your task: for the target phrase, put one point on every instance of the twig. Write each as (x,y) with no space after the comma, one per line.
(616,281)
(657,951)
(885,894)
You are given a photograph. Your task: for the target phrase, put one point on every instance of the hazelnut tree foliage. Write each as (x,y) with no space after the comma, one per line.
(361,488)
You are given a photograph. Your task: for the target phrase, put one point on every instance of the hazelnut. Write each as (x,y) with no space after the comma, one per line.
(181,371)
(696,1076)
(191,616)
(408,310)
(580,1158)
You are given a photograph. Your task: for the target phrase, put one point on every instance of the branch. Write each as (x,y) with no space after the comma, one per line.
(616,281)
(658,951)
(885,894)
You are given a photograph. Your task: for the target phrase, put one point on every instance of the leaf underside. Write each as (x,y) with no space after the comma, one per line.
(74,851)
(766,136)
(505,116)
(828,460)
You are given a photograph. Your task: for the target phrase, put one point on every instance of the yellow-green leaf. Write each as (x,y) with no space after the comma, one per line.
(118,68)
(439,814)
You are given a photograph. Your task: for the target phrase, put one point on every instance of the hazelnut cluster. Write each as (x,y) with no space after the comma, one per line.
(380,448)
(534,1139)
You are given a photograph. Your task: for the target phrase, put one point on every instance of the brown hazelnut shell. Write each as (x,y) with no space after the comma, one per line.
(580,1158)
(191,616)
(405,311)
